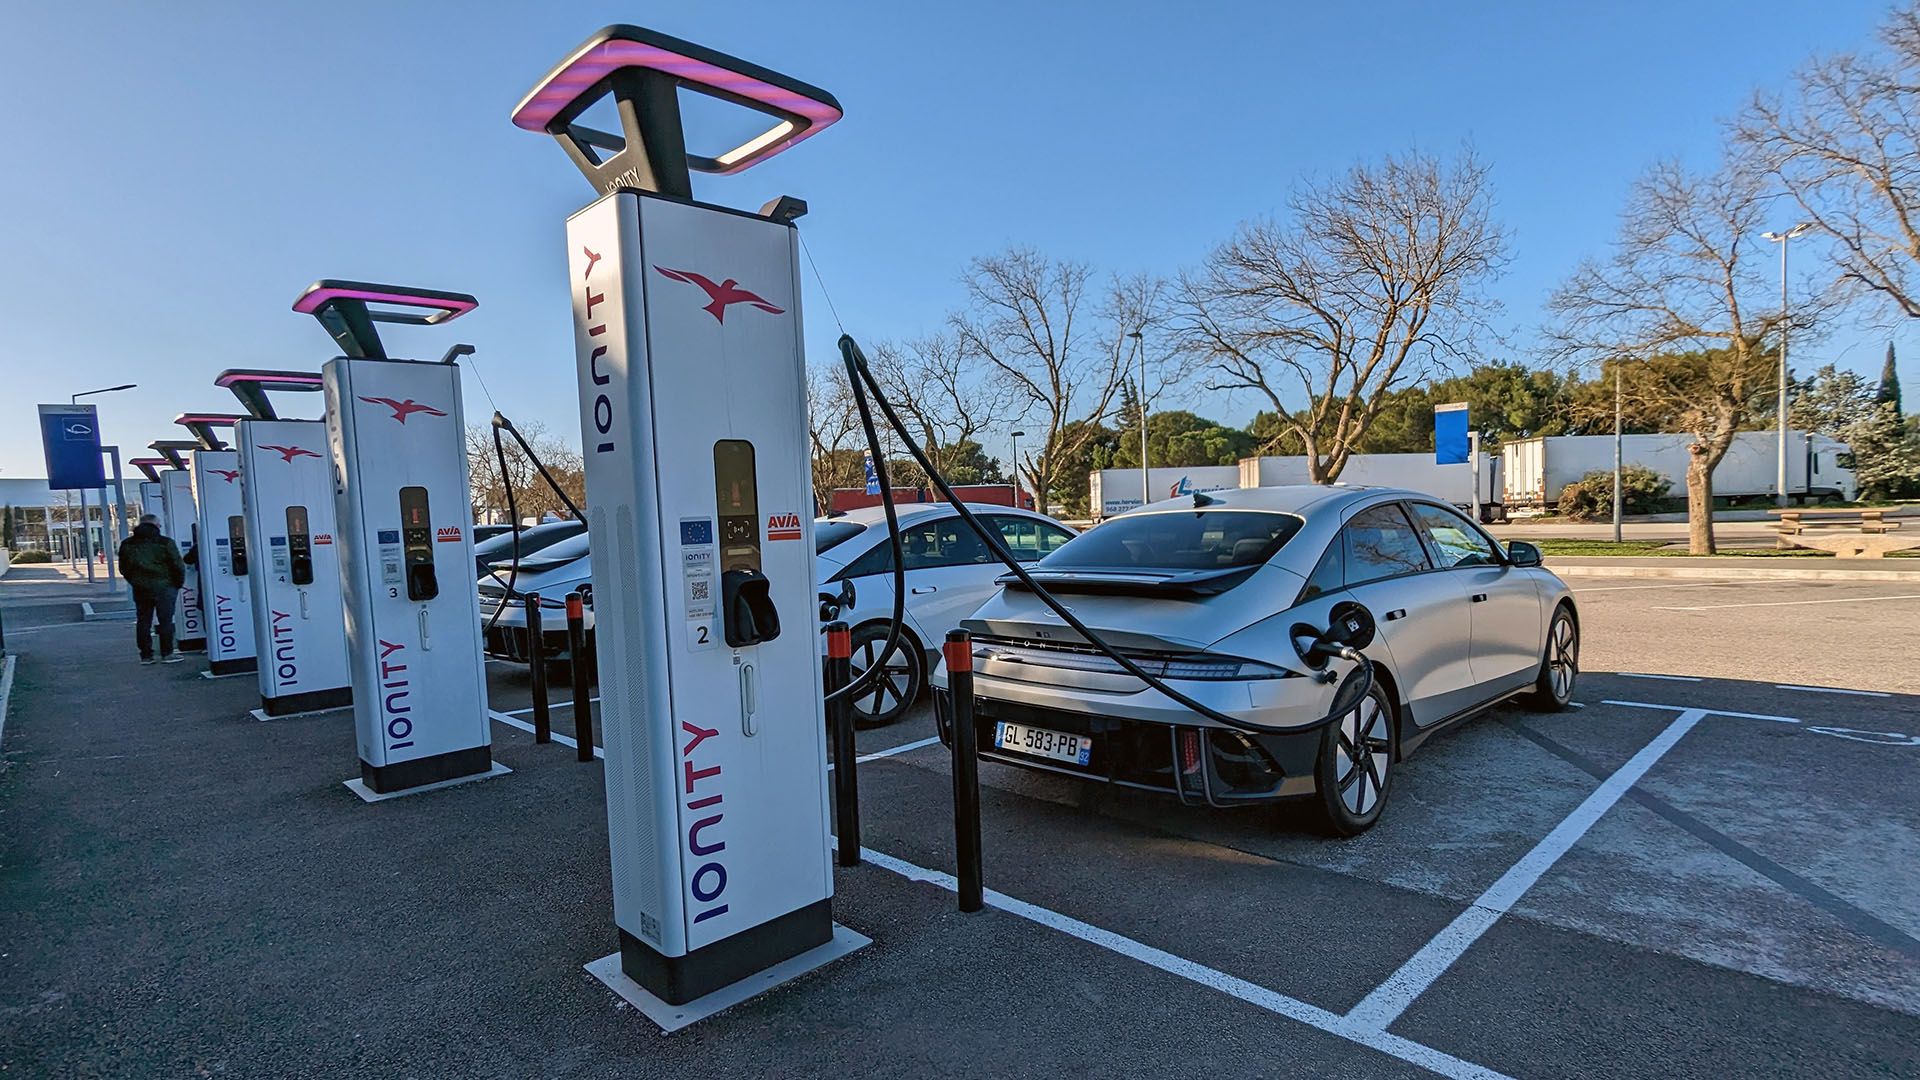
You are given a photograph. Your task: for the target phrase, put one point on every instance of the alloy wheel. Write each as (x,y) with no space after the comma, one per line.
(889,693)
(1563,657)
(1363,752)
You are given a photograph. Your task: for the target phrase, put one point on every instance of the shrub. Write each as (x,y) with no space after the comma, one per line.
(30,556)
(1591,496)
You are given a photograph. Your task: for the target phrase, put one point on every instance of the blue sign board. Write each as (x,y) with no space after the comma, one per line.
(1451,443)
(873,478)
(70,434)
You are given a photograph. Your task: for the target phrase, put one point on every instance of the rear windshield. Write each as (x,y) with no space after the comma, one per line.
(1201,540)
(828,532)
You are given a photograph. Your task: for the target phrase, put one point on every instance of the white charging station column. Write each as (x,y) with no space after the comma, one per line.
(298,621)
(153,500)
(693,415)
(181,522)
(225,560)
(396,441)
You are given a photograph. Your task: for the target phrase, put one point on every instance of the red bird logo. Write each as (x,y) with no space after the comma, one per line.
(723,295)
(402,409)
(229,475)
(288,453)
(592,257)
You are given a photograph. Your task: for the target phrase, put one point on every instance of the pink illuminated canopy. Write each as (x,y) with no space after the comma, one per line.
(619,47)
(207,419)
(273,380)
(450,305)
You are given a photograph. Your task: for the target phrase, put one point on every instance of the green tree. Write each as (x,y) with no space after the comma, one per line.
(1832,402)
(1890,384)
(1089,446)
(1179,438)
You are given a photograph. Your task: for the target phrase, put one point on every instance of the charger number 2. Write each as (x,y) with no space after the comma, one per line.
(700,634)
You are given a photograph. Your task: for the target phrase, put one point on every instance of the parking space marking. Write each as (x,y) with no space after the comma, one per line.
(1384,1005)
(1716,712)
(1668,678)
(1682,585)
(554,705)
(901,749)
(1793,603)
(1831,690)
(1857,919)
(1872,738)
(568,741)
(1294,1009)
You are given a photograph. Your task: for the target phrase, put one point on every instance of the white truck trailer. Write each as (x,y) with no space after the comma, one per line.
(1116,491)
(1415,472)
(1537,469)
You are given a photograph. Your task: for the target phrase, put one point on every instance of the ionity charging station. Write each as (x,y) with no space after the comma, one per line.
(220,539)
(152,501)
(693,419)
(287,492)
(396,448)
(180,520)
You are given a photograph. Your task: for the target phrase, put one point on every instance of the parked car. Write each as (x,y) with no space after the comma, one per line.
(532,539)
(1215,598)
(488,532)
(949,572)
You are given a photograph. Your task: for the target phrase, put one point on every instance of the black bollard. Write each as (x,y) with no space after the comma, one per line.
(577,662)
(537,656)
(966,770)
(846,784)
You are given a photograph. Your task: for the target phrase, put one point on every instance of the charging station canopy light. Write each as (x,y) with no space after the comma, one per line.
(644,71)
(251,386)
(202,425)
(346,311)
(171,449)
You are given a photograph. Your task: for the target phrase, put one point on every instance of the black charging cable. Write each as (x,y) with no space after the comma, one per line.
(864,384)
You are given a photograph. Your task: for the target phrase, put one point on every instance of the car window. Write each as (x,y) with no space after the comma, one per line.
(1381,543)
(1457,541)
(1330,575)
(1178,540)
(946,542)
(1029,538)
(828,533)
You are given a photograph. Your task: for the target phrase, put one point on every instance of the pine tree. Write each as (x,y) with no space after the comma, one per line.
(1890,384)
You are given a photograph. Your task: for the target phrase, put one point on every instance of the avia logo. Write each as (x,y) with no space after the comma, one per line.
(593,257)
(449,534)
(403,409)
(229,475)
(288,453)
(723,295)
(783,526)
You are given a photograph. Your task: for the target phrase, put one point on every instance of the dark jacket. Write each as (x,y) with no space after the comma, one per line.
(151,561)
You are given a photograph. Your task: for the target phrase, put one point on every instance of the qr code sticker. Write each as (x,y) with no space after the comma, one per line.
(700,590)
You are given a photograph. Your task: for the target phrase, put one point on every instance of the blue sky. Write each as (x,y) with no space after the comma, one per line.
(175,174)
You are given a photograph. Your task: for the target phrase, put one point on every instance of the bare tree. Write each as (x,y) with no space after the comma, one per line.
(1372,281)
(833,429)
(1028,316)
(948,399)
(1689,273)
(1845,142)
(531,495)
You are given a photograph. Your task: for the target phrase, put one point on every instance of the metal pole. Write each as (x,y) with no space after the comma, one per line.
(1473,469)
(1781,498)
(1617,409)
(966,770)
(537,657)
(577,662)
(48,511)
(1140,354)
(1016,471)
(86,533)
(119,524)
(846,783)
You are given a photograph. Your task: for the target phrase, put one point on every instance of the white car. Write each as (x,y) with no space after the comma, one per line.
(949,573)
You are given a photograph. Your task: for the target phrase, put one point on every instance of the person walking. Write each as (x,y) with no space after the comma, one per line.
(152,565)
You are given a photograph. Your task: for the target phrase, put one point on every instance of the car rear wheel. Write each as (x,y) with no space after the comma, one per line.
(1356,760)
(1553,690)
(890,696)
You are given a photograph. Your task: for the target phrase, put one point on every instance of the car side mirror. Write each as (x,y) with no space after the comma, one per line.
(1521,553)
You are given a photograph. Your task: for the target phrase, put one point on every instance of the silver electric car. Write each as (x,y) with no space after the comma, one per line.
(1221,597)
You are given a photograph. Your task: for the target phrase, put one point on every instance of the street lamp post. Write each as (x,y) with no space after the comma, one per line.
(1016,469)
(1140,356)
(86,517)
(1780,496)
(1617,366)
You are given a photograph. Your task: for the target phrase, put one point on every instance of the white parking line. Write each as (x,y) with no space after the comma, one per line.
(1831,690)
(513,721)
(1682,585)
(901,749)
(1388,1000)
(1793,603)
(555,705)
(1259,996)
(1669,678)
(1716,712)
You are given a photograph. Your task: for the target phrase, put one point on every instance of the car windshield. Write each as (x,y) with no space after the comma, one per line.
(832,532)
(1178,540)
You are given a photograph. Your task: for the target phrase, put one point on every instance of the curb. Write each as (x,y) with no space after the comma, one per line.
(88,614)
(6,690)
(1735,573)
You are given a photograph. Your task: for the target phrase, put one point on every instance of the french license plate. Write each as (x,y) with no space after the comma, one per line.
(1041,742)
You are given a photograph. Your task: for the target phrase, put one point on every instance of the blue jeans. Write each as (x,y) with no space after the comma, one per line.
(148,603)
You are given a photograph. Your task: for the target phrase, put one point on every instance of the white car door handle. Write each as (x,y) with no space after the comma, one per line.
(922,589)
